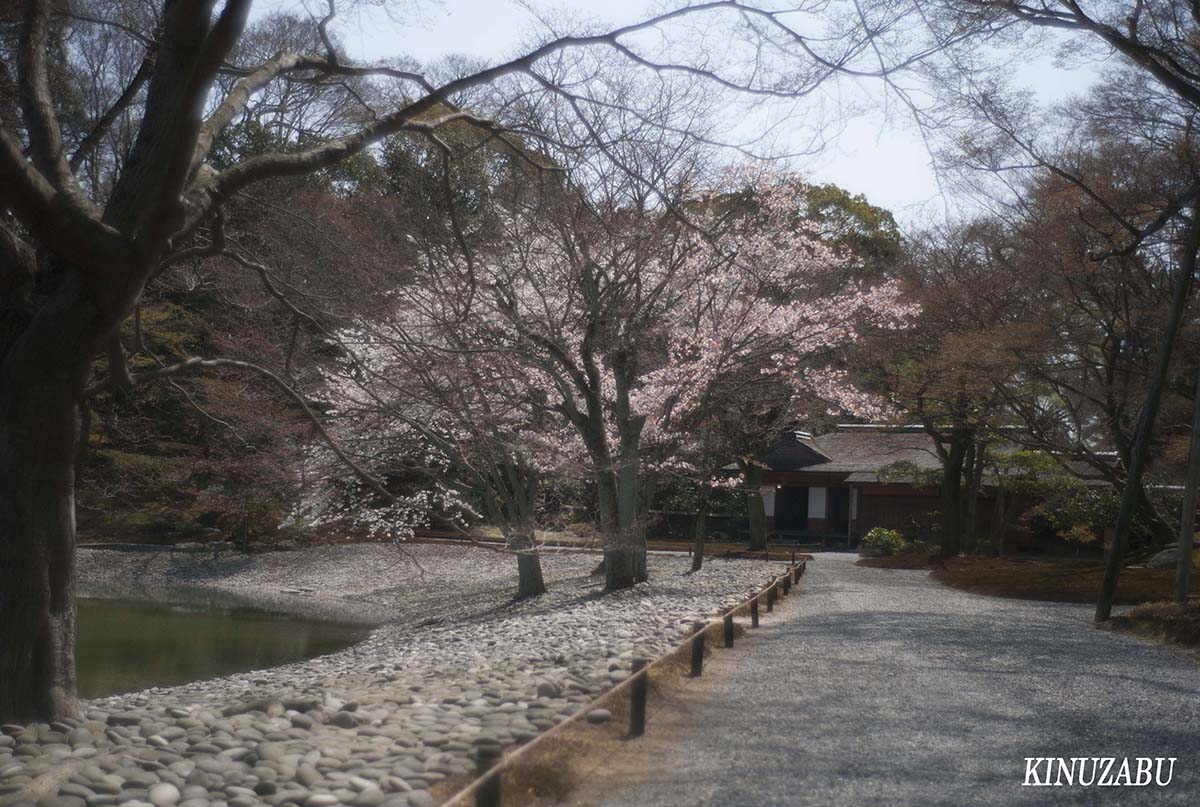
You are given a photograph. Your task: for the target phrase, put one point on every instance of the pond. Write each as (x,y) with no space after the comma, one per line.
(127,645)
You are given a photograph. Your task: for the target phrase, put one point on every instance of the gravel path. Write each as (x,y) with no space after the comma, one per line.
(883,687)
(453,663)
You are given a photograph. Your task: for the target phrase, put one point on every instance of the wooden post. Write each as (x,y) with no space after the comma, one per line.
(796,573)
(698,651)
(637,698)
(488,792)
(771,598)
(729,628)
(787,584)
(754,612)
(793,557)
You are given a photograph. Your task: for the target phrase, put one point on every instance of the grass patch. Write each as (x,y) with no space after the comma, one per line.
(1163,621)
(1052,580)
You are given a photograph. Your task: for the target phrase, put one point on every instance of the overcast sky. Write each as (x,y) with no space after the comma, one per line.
(882,158)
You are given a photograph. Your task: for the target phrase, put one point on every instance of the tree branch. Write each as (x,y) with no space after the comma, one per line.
(45,136)
(197,364)
(105,121)
(53,217)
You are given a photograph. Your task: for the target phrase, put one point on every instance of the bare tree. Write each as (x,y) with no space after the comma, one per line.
(1157,94)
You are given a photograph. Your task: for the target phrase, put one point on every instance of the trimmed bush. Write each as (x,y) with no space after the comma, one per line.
(880,541)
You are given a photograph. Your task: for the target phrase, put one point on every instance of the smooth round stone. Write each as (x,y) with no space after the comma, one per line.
(108,783)
(599,716)
(420,798)
(371,797)
(322,800)
(396,784)
(63,801)
(72,789)
(80,736)
(164,794)
(343,720)
(307,775)
(271,752)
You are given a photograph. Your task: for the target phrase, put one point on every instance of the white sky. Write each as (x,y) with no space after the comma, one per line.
(884,159)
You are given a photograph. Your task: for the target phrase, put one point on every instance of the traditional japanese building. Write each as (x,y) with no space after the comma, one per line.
(829,487)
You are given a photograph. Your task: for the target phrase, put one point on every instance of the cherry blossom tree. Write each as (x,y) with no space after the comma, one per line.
(618,333)
(97,206)
(756,343)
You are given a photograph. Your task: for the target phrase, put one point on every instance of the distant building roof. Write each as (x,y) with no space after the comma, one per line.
(862,450)
(853,449)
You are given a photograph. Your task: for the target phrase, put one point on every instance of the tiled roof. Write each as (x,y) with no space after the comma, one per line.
(853,450)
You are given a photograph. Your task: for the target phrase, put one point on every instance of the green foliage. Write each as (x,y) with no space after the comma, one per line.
(904,472)
(849,220)
(881,541)
(1081,534)
(683,496)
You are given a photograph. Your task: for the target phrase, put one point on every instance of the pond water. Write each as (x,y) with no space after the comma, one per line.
(127,645)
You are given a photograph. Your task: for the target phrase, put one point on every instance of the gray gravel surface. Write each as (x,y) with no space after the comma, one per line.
(884,687)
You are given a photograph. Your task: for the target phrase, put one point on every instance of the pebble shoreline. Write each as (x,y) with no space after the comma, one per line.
(454,664)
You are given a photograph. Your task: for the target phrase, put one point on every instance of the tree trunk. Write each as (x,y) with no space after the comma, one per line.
(952,515)
(699,533)
(648,490)
(1187,523)
(621,544)
(999,522)
(625,542)
(530,582)
(1141,443)
(974,465)
(1147,515)
(755,508)
(41,381)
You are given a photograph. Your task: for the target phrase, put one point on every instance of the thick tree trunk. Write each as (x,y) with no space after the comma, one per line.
(530,582)
(952,509)
(755,507)
(619,551)
(41,379)
(619,502)
(37,569)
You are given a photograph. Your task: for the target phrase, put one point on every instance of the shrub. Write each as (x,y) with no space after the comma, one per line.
(885,542)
